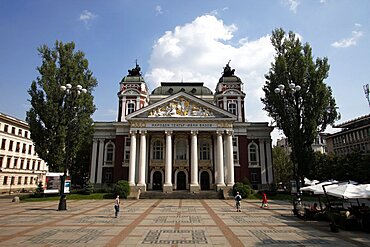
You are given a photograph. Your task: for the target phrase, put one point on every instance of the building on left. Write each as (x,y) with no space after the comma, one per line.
(20,166)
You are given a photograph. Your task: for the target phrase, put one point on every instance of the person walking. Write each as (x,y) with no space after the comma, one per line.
(264,200)
(116,206)
(238,198)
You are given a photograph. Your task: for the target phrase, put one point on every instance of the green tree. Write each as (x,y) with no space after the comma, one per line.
(300,114)
(283,166)
(60,123)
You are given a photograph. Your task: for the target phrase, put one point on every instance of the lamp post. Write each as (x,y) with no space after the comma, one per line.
(290,95)
(69,99)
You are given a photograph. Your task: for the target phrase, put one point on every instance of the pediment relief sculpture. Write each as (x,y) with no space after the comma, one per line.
(180,108)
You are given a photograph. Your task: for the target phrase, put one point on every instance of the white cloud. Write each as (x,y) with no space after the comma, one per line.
(351,41)
(199,50)
(86,16)
(293,5)
(158,10)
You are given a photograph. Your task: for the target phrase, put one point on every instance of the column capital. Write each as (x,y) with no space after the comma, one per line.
(194,132)
(101,139)
(219,133)
(229,132)
(143,132)
(132,132)
(168,132)
(95,140)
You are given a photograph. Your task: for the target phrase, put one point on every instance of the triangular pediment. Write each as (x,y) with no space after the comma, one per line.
(181,105)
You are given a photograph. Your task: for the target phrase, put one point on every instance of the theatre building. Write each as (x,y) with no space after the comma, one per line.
(181,136)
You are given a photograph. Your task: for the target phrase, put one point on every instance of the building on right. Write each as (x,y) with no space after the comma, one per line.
(354,136)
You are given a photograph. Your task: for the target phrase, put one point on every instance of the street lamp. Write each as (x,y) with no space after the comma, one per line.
(286,93)
(69,99)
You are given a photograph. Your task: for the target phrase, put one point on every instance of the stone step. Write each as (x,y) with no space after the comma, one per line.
(181,195)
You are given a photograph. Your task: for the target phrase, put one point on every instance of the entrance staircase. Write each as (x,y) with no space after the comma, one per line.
(182,194)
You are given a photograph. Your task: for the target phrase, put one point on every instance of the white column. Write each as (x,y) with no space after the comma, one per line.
(240,109)
(100,161)
(230,158)
(262,161)
(132,164)
(225,103)
(123,110)
(137,102)
(194,185)
(220,162)
(167,187)
(142,160)
(268,162)
(93,161)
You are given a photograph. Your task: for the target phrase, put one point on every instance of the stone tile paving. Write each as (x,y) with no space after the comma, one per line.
(164,223)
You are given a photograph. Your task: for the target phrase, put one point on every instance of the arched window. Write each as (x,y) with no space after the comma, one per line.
(158,150)
(109,153)
(181,150)
(253,154)
(204,150)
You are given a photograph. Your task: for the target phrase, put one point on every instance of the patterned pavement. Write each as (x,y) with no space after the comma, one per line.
(164,223)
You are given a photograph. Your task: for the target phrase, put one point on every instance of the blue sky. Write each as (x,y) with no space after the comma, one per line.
(184,40)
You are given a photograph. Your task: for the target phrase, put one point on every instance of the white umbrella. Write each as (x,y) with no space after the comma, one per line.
(349,191)
(317,188)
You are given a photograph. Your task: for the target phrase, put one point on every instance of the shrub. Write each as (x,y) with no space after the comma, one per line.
(122,188)
(244,190)
(88,188)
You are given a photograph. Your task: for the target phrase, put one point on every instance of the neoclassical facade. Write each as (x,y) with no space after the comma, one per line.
(20,166)
(181,136)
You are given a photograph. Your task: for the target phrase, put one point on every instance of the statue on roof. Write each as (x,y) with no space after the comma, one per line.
(135,71)
(228,71)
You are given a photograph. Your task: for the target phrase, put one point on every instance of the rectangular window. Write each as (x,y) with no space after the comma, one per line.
(22,163)
(232,108)
(130,108)
(25,180)
(8,162)
(20,132)
(17,147)
(6,128)
(19,180)
(126,157)
(24,148)
(235,150)
(10,146)
(29,149)
(13,130)
(254,177)
(28,165)
(38,165)
(1,161)
(5,181)
(26,134)
(3,143)
(204,151)
(15,163)
(31,180)
(12,180)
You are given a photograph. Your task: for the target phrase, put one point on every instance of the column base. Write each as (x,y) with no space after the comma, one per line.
(167,188)
(194,188)
(220,187)
(142,187)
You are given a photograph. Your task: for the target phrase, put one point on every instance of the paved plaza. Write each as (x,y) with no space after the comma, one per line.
(164,223)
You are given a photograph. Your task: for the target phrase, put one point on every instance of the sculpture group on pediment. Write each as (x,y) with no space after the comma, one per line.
(180,108)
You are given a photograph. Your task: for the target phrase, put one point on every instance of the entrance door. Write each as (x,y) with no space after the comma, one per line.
(157,180)
(204,181)
(181,180)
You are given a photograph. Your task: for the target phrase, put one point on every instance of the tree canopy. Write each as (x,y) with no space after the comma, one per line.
(300,114)
(61,123)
